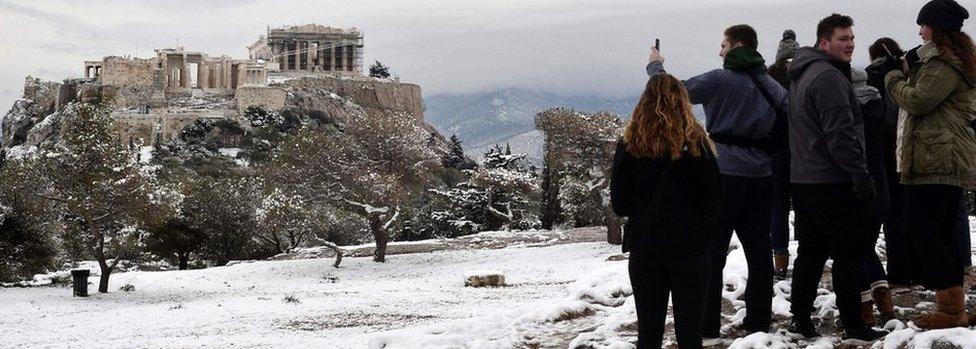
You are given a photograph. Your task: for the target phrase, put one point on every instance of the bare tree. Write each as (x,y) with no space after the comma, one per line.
(368,168)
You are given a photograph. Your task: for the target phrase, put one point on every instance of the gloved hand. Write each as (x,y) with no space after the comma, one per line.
(865,190)
(889,64)
(911,57)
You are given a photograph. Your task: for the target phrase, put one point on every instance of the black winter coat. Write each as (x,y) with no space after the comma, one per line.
(676,222)
(874,140)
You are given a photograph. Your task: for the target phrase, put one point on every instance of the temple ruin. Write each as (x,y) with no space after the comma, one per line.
(156,97)
(311,47)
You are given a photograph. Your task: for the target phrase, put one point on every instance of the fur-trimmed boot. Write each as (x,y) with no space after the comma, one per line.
(950,310)
(867,314)
(886,307)
(781,265)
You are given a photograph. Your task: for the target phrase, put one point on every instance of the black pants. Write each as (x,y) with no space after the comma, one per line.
(965,240)
(779,230)
(904,267)
(653,280)
(931,212)
(829,223)
(748,202)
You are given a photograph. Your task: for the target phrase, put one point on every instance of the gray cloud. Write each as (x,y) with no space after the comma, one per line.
(564,46)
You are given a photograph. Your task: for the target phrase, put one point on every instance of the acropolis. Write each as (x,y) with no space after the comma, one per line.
(156,97)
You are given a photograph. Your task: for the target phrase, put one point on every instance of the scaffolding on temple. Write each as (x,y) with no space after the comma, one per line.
(312,47)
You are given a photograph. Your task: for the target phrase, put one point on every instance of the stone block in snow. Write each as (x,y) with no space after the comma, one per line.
(484,278)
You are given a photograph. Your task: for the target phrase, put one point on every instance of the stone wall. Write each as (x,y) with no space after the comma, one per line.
(269,98)
(145,128)
(369,93)
(128,97)
(126,72)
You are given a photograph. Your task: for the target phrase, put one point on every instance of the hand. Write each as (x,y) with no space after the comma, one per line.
(890,64)
(911,58)
(865,190)
(655,56)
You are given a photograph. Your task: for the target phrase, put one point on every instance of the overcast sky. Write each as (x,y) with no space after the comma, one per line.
(446,46)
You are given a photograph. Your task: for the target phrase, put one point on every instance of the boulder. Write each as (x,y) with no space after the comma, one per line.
(484,278)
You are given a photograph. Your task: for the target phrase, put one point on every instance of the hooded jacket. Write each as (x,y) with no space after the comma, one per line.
(936,143)
(735,107)
(872,105)
(826,126)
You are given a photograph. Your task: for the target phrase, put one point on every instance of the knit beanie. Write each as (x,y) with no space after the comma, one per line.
(787,46)
(945,15)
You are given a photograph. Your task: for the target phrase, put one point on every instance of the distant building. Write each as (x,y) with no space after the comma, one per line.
(311,47)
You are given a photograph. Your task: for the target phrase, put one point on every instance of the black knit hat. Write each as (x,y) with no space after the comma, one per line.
(942,15)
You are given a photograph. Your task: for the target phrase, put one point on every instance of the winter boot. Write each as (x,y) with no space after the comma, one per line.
(886,307)
(805,328)
(867,314)
(950,310)
(781,265)
(968,279)
(862,335)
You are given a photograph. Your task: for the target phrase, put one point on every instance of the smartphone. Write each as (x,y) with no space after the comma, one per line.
(657,44)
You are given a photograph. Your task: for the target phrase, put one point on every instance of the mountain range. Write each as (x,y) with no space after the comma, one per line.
(482,120)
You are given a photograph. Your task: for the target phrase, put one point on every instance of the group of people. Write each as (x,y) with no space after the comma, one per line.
(853,151)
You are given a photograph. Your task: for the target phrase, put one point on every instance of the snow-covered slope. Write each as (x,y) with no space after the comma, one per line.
(528,143)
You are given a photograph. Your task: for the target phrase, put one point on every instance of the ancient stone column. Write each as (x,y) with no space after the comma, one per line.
(293,56)
(351,60)
(329,62)
(320,55)
(331,59)
(203,75)
(308,55)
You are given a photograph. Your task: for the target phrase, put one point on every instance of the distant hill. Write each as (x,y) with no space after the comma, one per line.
(483,119)
(528,143)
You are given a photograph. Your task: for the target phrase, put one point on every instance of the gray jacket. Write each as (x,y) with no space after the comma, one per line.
(826,125)
(734,106)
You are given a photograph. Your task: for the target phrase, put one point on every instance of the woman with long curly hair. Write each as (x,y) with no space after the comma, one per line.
(666,181)
(936,154)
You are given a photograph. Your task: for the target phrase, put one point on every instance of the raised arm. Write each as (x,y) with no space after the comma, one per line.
(936,80)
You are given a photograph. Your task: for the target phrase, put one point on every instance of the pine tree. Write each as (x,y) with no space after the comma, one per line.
(378,70)
(455,157)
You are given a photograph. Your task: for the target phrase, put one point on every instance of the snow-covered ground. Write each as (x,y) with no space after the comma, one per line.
(574,295)
(244,305)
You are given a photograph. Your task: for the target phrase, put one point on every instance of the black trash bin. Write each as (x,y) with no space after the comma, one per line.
(80,278)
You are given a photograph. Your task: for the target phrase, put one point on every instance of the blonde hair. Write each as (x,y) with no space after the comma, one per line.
(663,124)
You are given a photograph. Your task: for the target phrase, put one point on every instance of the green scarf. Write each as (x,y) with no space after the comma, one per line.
(743,58)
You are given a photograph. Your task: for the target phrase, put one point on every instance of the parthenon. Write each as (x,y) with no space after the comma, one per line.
(311,47)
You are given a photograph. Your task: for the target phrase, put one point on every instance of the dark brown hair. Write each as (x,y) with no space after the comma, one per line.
(877,49)
(742,34)
(956,44)
(825,29)
(663,124)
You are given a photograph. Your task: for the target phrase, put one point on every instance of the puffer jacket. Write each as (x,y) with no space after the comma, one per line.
(936,144)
